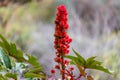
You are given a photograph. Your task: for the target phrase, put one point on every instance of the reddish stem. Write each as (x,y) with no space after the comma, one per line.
(72,77)
(78,78)
(63,68)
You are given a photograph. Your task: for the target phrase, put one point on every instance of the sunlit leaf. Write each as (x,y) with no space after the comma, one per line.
(1,63)
(1,44)
(17,54)
(79,56)
(3,77)
(4,42)
(3,69)
(90,59)
(101,68)
(72,62)
(75,60)
(33,75)
(13,48)
(29,78)
(32,60)
(11,75)
(36,69)
(91,62)
(94,62)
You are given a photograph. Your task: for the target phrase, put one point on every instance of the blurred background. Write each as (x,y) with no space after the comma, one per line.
(94,28)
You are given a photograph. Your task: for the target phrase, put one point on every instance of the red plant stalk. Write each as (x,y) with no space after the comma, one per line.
(62,41)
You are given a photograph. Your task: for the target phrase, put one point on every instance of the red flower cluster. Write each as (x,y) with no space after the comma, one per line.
(62,40)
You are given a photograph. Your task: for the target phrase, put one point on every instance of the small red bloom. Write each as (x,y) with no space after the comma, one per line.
(62,71)
(58,59)
(57,66)
(53,71)
(62,9)
(71,68)
(66,62)
(70,40)
(57,54)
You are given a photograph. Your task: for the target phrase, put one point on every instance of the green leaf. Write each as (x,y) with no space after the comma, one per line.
(101,68)
(75,60)
(1,63)
(11,49)
(33,75)
(6,59)
(4,42)
(96,63)
(29,78)
(32,60)
(17,54)
(91,62)
(3,68)
(70,57)
(72,62)
(11,75)
(36,69)
(3,77)
(1,44)
(34,72)
(81,59)
(90,59)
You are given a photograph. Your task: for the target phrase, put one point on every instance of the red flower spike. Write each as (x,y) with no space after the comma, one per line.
(62,40)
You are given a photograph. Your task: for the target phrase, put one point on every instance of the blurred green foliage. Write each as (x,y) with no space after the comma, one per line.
(8,52)
(19,21)
(114,61)
(111,57)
